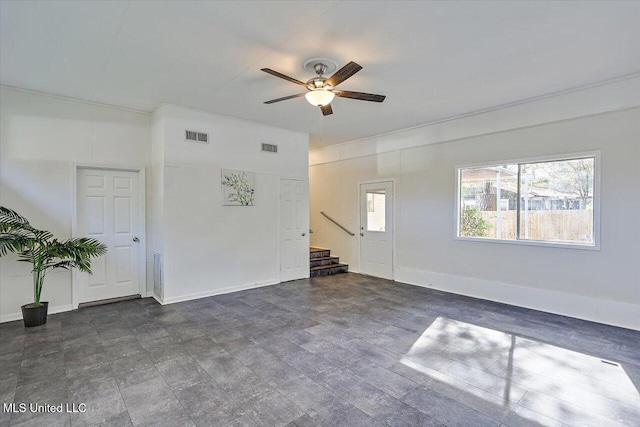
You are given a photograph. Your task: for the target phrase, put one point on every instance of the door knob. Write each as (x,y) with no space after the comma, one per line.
(304,234)
(362,234)
(135,239)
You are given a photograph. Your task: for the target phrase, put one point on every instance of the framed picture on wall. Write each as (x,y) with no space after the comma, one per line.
(238,188)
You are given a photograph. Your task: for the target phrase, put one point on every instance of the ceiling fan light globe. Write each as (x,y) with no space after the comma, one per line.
(319,97)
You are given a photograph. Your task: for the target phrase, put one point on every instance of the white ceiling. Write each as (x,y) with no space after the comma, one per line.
(433,60)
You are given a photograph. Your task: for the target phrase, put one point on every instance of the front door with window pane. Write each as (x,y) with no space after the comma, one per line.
(376,229)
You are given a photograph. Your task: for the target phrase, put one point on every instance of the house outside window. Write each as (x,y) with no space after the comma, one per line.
(551,201)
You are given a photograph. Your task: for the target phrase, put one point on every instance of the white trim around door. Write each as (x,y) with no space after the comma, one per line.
(140,171)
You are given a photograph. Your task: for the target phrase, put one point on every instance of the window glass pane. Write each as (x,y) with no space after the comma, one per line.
(376,212)
(557,201)
(488,201)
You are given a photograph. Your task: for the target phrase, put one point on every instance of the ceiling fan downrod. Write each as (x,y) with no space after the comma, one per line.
(320,69)
(319,82)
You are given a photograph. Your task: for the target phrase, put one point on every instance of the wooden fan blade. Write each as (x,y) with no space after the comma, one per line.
(284,98)
(326,109)
(360,95)
(344,73)
(282,76)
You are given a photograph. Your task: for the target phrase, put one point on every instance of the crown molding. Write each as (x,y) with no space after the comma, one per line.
(598,98)
(76,100)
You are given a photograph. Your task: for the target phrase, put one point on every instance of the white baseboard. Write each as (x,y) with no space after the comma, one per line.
(18,316)
(587,308)
(214,292)
(597,310)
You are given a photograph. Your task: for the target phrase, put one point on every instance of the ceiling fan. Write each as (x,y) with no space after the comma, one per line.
(321,90)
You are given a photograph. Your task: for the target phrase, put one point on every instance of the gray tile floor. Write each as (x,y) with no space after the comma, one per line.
(343,350)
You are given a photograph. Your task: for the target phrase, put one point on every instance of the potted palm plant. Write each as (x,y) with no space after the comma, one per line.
(45,253)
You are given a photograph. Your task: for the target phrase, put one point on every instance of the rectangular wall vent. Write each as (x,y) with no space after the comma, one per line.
(269,148)
(193,136)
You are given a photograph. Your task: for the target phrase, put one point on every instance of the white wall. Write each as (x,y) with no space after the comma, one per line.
(597,285)
(40,138)
(209,248)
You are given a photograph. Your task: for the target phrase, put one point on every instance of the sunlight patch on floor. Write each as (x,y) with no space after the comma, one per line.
(522,373)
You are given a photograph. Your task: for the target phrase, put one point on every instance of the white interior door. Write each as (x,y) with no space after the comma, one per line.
(376,229)
(108,209)
(294,229)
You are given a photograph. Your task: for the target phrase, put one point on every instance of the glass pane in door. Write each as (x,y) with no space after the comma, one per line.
(376,212)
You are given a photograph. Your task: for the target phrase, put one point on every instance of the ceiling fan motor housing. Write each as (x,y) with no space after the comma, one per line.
(317,83)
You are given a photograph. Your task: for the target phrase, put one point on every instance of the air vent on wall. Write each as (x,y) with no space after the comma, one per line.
(158,283)
(193,136)
(269,148)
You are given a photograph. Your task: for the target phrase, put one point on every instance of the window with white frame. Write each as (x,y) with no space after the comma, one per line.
(537,201)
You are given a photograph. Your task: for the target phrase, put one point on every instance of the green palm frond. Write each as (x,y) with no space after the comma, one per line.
(7,215)
(8,245)
(77,251)
(41,234)
(42,250)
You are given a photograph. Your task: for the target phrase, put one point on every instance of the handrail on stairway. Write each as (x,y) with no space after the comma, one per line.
(334,221)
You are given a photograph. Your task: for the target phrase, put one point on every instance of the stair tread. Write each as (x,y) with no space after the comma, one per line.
(328,266)
(317,249)
(324,258)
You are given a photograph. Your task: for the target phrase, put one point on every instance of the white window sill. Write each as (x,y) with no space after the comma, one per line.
(560,245)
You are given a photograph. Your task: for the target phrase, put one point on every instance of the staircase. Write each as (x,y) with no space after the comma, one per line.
(321,263)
